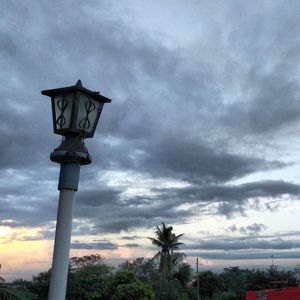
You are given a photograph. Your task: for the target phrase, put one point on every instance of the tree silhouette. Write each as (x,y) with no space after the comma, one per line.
(1,279)
(168,243)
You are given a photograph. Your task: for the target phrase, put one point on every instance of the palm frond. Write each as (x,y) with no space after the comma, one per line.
(156,242)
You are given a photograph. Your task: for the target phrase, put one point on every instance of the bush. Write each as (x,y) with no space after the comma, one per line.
(128,287)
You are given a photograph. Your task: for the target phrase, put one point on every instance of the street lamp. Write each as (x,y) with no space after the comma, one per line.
(75,112)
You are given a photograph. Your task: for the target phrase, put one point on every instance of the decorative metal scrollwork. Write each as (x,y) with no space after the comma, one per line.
(85,122)
(62,105)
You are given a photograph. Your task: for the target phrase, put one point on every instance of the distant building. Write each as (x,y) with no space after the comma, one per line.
(280,294)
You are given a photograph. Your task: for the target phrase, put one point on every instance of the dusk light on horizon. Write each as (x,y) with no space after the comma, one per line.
(203,132)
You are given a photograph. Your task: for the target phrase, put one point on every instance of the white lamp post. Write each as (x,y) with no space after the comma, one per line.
(76,112)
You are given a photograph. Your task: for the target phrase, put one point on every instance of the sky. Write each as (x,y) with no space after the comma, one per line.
(202,132)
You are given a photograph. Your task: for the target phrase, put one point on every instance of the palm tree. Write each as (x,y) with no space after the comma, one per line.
(167,241)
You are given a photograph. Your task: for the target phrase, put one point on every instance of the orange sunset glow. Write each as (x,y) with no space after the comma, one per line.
(21,257)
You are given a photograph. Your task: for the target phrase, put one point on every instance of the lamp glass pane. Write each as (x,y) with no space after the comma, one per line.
(88,110)
(63,110)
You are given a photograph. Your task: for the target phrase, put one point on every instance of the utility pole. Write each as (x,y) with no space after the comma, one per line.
(272,258)
(197,268)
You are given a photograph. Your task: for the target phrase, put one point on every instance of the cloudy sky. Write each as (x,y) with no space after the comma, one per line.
(202,133)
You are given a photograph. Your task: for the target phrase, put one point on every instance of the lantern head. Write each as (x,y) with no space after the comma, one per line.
(75,110)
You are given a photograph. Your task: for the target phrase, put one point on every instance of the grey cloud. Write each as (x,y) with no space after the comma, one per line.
(275,105)
(132,245)
(280,235)
(264,63)
(114,214)
(134,237)
(232,228)
(99,197)
(229,243)
(231,199)
(200,163)
(31,212)
(236,244)
(168,117)
(95,246)
(30,238)
(114,226)
(228,193)
(48,234)
(253,229)
(10,224)
(106,211)
(243,255)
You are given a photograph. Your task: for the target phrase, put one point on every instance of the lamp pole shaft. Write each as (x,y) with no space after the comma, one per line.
(68,184)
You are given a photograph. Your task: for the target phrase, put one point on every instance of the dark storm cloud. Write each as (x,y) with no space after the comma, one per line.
(105,245)
(99,197)
(23,143)
(116,226)
(130,238)
(247,246)
(231,243)
(117,218)
(102,245)
(231,199)
(243,255)
(262,48)
(194,161)
(107,211)
(31,212)
(266,112)
(168,117)
(238,193)
(132,245)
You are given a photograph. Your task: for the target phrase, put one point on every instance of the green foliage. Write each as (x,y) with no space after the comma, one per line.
(11,294)
(144,269)
(133,291)
(128,287)
(229,295)
(91,279)
(174,290)
(40,285)
(22,286)
(77,263)
(135,266)
(257,280)
(209,282)
(183,274)
(233,282)
(89,283)
(124,276)
(280,279)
